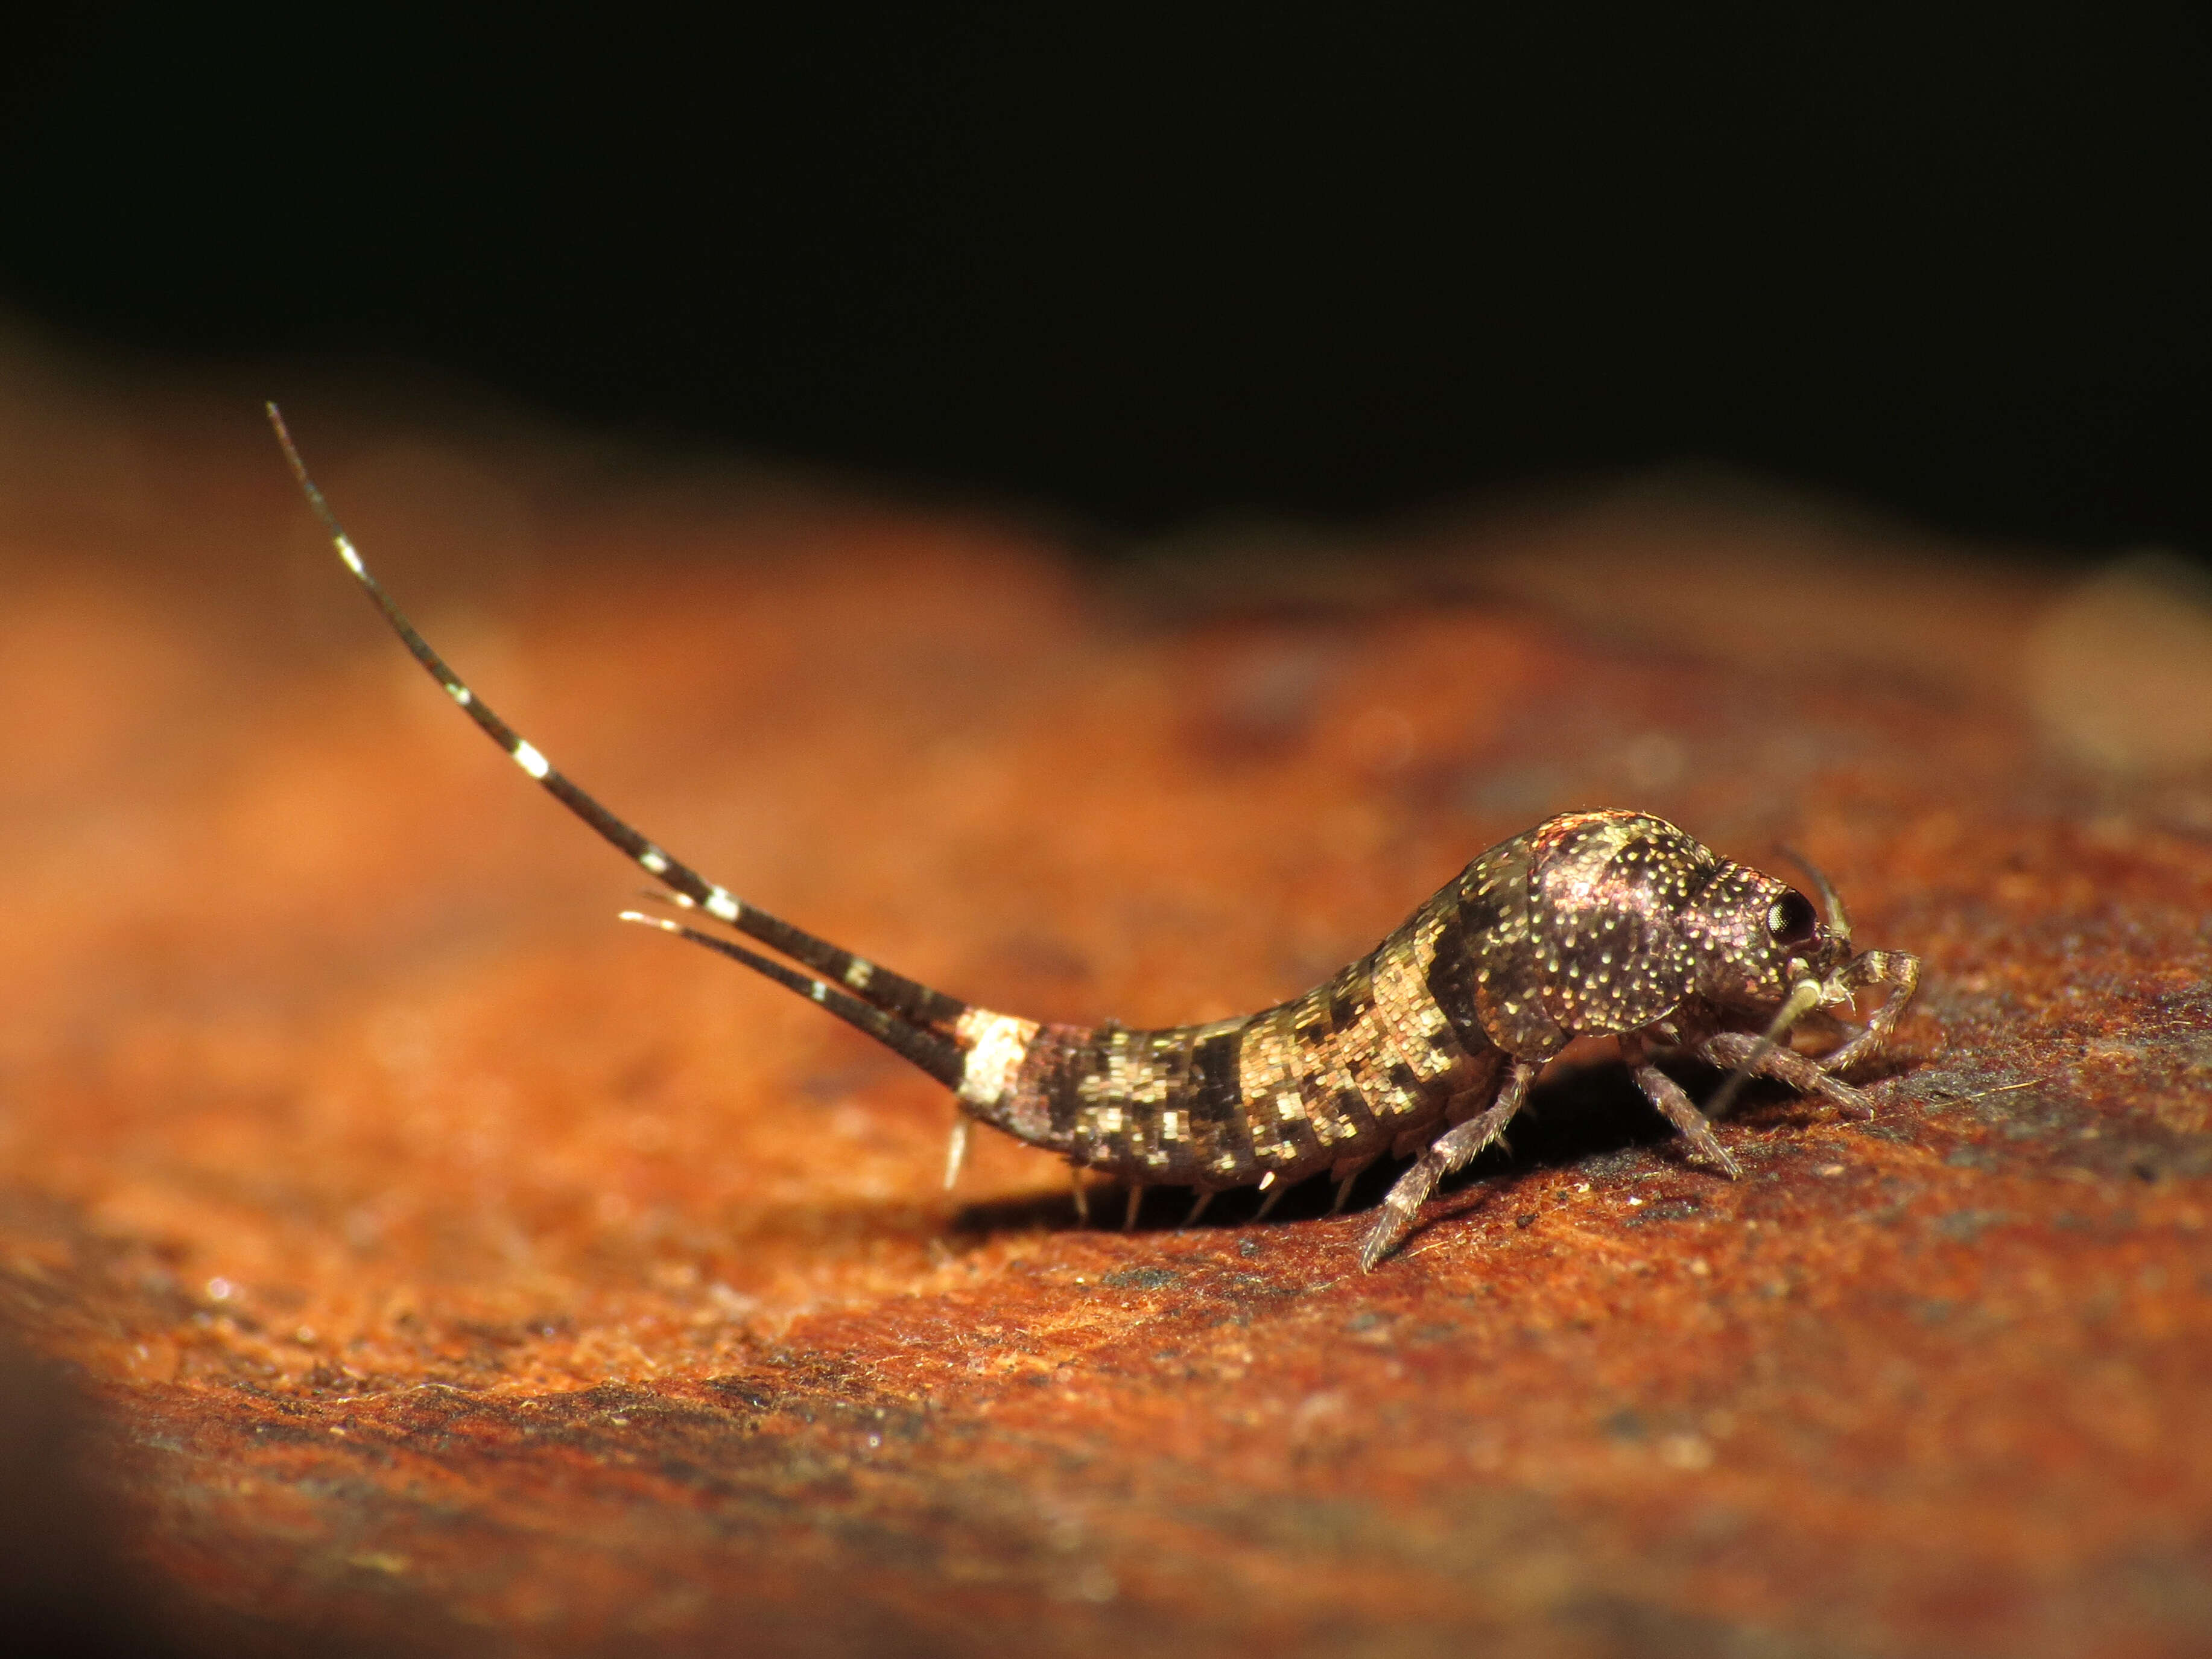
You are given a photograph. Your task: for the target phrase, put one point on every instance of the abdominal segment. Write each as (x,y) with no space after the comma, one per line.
(1332,1079)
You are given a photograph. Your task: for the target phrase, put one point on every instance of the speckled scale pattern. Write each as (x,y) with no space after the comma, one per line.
(1595,923)
(1573,928)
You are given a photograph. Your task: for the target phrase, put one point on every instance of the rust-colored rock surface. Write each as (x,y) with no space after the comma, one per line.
(446,1269)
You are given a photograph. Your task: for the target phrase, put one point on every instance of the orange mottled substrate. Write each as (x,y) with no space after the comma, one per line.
(447,1264)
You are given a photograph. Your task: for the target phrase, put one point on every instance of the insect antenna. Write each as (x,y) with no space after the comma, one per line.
(1839,922)
(907,1016)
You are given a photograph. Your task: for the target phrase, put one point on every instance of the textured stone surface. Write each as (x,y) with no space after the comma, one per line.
(443,1265)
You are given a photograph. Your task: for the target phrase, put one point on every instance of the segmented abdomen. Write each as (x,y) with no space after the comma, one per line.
(1330,1079)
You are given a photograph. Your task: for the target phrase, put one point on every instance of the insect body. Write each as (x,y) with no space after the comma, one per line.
(1596,923)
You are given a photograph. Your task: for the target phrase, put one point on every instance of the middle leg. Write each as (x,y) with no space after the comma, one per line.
(1679,1109)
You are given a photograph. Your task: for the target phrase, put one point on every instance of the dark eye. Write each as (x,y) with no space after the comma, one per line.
(1792,921)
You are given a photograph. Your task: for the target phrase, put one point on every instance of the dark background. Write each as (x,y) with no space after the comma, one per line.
(1140,265)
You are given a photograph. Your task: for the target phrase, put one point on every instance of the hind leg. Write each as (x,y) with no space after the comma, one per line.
(1446,1153)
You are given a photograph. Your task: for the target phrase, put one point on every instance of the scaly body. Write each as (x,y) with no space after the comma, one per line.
(1598,923)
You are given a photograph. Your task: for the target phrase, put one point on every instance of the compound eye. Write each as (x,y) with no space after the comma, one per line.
(1792,920)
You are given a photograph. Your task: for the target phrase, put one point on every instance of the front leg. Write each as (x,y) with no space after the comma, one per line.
(1729,1049)
(1898,969)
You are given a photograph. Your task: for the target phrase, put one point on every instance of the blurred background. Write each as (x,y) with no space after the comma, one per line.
(1771,416)
(1139,266)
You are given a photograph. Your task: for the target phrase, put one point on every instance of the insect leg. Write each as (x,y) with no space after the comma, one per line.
(1345,1175)
(1898,969)
(1448,1152)
(1729,1049)
(1082,1196)
(1804,997)
(1663,1093)
(1198,1207)
(1136,1203)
